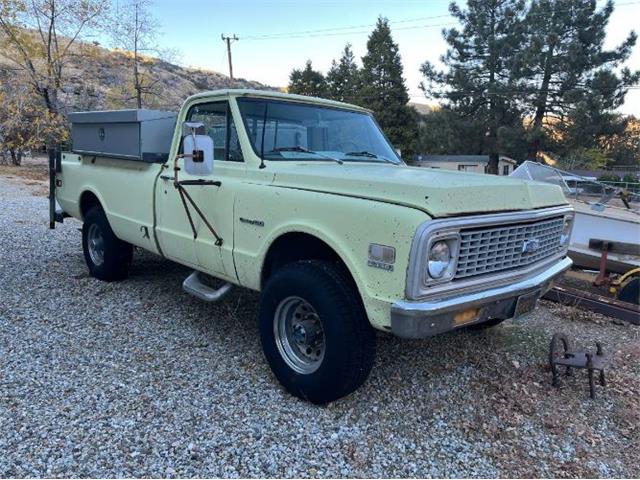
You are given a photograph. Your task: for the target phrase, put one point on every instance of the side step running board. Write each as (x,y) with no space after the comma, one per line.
(193,285)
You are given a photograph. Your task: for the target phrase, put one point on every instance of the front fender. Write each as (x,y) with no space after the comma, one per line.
(346,224)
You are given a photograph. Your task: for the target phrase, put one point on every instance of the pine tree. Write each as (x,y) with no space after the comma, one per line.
(564,66)
(307,82)
(383,89)
(445,132)
(623,148)
(343,77)
(587,130)
(478,81)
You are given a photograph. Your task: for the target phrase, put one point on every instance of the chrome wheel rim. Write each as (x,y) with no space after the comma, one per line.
(95,244)
(299,335)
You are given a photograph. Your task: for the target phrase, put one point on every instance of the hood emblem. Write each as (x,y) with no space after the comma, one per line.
(530,246)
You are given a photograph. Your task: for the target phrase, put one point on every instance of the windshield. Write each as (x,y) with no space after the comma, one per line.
(296,131)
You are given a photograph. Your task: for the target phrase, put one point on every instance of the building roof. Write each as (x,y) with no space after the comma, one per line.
(504,158)
(454,158)
(484,159)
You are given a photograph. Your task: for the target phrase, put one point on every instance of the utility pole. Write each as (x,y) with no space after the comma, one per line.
(229,40)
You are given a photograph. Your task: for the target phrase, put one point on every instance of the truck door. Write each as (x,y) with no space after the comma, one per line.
(214,198)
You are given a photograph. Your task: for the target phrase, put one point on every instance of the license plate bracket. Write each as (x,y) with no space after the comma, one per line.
(526,303)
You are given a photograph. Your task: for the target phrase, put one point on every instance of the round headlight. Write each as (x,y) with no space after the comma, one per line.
(439,259)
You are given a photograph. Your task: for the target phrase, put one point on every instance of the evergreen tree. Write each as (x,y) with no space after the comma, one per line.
(307,82)
(563,66)
(343,77)
(587,134)
(478,81)
(383,89)
(623,148)
(444,132)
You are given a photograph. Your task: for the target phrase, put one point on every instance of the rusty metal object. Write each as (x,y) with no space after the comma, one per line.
(184,196)
(603,278)
(606,247)
(561,354)
(596,303)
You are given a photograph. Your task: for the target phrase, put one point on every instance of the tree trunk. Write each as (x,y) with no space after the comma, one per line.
(534,146)
(492,166)
(541,108)
(136,73)
(16,157)
(137,85)
(49,102)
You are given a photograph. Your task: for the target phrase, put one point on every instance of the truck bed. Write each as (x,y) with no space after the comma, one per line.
(124,188)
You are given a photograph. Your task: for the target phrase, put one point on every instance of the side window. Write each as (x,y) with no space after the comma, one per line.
(218,123)
(234,152)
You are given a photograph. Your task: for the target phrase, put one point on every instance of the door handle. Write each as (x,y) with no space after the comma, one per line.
(167,177)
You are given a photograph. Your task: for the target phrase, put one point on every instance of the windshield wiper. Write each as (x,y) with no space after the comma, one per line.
(364,153)
(304,150)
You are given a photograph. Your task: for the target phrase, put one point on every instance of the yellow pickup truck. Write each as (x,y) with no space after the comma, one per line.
(306,201)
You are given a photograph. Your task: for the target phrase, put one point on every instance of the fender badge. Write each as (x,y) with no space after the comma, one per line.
(249,221)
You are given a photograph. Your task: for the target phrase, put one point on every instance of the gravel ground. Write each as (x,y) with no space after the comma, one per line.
(138,379)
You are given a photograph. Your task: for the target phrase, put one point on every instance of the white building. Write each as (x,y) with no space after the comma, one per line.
(465,163)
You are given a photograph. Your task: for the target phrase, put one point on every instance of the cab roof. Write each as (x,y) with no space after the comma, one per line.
(253,93)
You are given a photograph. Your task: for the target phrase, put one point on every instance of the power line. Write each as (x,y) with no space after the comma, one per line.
(334,29)
(356,32)
(356,29)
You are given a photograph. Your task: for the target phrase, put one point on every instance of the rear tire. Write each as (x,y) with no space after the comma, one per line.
(107,257)
(314,331)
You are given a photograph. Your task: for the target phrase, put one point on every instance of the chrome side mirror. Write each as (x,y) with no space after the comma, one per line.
(197,148)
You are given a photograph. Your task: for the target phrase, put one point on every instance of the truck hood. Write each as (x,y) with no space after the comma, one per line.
(439,193)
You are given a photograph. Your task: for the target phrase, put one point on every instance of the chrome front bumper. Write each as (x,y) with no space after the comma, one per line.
(419,319)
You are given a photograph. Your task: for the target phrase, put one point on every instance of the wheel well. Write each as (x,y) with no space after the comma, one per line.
(88,200)
(295,246)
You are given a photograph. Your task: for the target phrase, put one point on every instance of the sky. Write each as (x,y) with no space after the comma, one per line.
(276,36)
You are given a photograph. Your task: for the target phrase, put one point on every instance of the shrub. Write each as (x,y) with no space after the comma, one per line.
(609,177)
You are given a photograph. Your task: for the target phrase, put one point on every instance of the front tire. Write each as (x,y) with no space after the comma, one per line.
(107,257)
(314,331)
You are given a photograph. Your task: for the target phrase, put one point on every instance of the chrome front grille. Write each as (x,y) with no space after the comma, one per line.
(504,247)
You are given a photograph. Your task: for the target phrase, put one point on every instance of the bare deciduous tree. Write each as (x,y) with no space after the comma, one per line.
(39,36)
(135,30)
(25,122)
